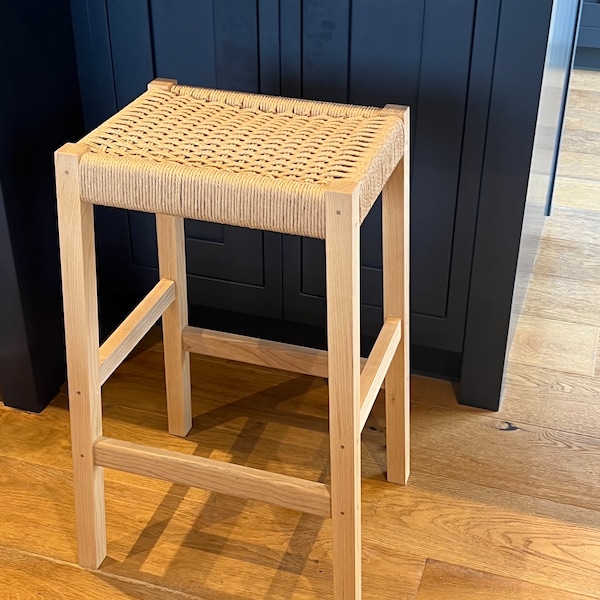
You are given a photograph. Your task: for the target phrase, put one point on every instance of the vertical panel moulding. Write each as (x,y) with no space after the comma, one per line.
(396,303)
(343,329)
(78,260)
(171,260)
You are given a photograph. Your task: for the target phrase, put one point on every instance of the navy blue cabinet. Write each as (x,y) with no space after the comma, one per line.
(453,62)
(39,107)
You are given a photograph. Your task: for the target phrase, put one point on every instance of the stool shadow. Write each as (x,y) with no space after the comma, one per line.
(289,566)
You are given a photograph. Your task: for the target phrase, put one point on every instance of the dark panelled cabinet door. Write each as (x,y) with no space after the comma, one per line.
(401,52)
(206,43)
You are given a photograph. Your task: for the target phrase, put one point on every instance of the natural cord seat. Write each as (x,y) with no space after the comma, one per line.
(239,159)
(278,164)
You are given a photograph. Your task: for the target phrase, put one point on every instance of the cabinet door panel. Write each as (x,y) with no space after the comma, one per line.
(400,52)
(437,149)
(198,42)
(213,251)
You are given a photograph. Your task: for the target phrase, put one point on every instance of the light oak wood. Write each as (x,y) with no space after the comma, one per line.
(581,79)
(573,225)
(578,165)
(395,219)
(213,475)
(442,580)
(377,365)
(504,453)
(171,260)
(31,576)
(562,299)
(155,537)
(125,338)
(78,259)
(557,345)
(256,351)
(552,399)
(276,355)
(578,119)
(342,256)
(160,83)
(583,98)
(576,193)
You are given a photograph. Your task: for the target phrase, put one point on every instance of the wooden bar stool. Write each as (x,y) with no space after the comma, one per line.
(278,164)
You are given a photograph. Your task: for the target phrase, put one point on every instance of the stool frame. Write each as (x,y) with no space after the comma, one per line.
(353,383)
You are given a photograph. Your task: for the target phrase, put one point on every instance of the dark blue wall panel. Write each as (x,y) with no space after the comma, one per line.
(437,151)
(290,47)
(236,45)
(39,111)
(94,60)
(131,46)
(325,49)
(184,40)
(269,47)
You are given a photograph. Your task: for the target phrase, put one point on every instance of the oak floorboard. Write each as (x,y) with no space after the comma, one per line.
(222,547)
(581,141)
(31,576)
(577,194)
(578,119)
(574,225)
(562,299)
(558,345)
(442,580)
(583,79)
(552,399)
(536,461)
(572,260)
(217,548)
(579,165)
(586,98)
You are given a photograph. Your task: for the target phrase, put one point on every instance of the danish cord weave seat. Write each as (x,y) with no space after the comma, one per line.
(278,164)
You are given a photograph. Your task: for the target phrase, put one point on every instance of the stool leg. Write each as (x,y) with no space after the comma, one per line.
(78,261)
(343,333)
(396,303)
(171,260)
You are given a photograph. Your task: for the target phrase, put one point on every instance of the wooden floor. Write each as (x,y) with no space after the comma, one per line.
(500,505)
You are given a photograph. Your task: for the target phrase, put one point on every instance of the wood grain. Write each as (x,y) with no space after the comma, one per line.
(171,260)
(578,119)
(562,299)
(584,98)
(214,475)
(442,580)
(376,367)
(471,499)
(582,79)
(266,353)
(536,461)
(578,165)
(124,339)
(342,258)
(577,193)
(78,265)
(578,226)
(552,399)
(395,235)
(30,576)
(558,345)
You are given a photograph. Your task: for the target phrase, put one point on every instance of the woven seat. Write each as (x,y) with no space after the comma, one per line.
(278,164)
(239,159)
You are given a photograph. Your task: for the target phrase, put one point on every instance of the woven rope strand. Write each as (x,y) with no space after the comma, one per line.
(241,159)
